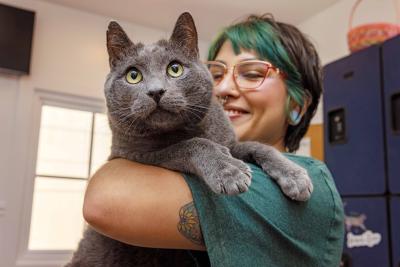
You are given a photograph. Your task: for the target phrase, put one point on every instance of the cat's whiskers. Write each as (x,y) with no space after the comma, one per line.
(194,93)
(134,126)
(116,112)
(129,128)
(197,105)
(181,116)
(195,110)
(198,109)
(189,115)
(190,107)
(203,109)
(124,119)
(194,113)
(119,110)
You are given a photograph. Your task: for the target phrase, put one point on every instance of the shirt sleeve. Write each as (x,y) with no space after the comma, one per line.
(262,227)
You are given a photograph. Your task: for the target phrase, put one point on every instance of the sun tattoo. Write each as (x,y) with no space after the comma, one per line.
(189,225)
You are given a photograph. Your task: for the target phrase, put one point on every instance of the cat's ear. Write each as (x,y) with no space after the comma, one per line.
(117,42)
(185,35)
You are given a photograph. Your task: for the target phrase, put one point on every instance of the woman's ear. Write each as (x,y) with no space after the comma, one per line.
(297,112)
(307,100)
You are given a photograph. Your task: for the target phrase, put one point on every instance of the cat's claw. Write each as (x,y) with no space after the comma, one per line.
(230,177)
(298,186)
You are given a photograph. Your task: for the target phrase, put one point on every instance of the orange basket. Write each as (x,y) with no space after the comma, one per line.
(372,33)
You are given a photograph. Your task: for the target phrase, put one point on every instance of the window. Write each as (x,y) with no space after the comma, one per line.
(72,145)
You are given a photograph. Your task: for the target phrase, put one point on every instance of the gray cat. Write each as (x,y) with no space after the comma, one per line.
(162,112)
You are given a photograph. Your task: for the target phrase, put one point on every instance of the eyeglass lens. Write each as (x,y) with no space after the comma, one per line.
(247,75)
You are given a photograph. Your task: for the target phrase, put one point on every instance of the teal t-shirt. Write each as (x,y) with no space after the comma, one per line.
(262,227)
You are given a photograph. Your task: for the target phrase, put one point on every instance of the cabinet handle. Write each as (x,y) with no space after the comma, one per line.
(337,126)
(395,112)
(348,75)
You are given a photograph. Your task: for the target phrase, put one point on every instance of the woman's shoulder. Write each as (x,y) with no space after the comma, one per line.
(315,168)
(268,217)
(305,161)
(324,184)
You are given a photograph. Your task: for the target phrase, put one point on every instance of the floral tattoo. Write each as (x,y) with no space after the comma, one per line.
(189,224)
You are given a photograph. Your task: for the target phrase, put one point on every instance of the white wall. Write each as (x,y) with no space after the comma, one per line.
(68,55)
(8,98)
(328,29)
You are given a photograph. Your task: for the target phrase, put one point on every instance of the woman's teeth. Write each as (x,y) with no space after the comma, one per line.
(232,112)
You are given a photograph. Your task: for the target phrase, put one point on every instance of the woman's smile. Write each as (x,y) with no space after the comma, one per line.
(237,114)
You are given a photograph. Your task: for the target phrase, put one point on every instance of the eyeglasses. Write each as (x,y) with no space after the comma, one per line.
(246,74)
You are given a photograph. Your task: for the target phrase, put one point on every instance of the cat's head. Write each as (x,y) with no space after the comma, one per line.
(156,87)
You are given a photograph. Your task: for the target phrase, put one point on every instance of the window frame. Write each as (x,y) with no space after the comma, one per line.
(41,97)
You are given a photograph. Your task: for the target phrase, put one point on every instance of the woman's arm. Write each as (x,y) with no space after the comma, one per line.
(142,205)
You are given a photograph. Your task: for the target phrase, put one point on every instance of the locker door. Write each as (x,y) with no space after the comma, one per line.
(354,141)
(366,241)
(395,223)
(391,74)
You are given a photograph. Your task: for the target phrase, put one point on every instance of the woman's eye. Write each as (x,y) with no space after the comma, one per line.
(252,75)
(217,76)
(175,69)
(134,76)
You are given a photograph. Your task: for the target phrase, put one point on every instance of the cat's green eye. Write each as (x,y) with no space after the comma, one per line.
(134,76)
(175,69)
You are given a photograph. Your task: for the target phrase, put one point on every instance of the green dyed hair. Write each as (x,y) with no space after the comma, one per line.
(265,36)
(260,36)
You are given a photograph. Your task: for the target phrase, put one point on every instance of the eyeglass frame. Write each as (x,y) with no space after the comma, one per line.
(268,64)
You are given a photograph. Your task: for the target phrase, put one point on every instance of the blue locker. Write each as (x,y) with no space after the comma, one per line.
(366,241)
(395,223)
(391,74)
(353,123)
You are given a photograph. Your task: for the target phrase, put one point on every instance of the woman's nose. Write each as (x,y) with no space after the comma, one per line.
(227,87)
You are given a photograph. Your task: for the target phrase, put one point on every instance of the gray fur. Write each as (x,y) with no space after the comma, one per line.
(177,124)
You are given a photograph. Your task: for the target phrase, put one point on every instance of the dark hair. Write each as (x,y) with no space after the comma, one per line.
(288,49)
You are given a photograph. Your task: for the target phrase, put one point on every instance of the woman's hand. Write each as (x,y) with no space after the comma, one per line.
(142,205)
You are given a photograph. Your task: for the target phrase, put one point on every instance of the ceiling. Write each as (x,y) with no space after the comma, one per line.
(209,15)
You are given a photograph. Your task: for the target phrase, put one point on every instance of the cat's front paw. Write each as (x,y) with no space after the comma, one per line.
(229,176)
(297,185)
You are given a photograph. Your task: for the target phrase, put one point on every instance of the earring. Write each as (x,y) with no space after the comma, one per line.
(294,117)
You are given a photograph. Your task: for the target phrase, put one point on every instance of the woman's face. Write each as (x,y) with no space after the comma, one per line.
(256,115)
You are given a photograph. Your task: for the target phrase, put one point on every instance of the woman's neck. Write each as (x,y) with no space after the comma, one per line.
(280,145)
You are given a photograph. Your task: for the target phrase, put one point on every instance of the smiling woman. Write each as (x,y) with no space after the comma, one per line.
(255,107)
(276,109)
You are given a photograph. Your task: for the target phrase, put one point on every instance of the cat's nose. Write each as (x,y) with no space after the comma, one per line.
(156,94)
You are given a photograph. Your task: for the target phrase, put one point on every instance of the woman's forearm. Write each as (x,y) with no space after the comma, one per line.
(139,204)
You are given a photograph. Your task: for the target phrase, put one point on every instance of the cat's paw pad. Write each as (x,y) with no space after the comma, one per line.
(297,186)
(231,177)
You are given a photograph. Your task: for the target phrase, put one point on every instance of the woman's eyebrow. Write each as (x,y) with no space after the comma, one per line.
(249,59)
(241,60)
(221,61)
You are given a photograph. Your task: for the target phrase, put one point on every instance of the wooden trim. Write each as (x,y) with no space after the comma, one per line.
(316,134)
